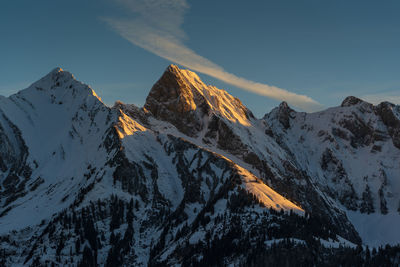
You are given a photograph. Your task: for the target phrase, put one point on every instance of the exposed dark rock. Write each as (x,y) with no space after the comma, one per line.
(340,133)
(13,156)
(172,99)
(285,114)
(130,174)
(385,111)
(362,133)
(225,138)
(334,169)
(179,97)
(351,101)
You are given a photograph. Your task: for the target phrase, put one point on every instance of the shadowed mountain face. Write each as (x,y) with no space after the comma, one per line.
(190,173)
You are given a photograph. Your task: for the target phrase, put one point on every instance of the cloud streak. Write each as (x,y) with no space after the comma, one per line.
(156,27)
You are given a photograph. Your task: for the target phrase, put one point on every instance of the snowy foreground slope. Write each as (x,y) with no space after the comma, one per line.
(193,178)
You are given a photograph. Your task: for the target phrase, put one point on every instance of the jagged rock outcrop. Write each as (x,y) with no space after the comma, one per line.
(181,98)
(351,101)
(172,99)
(390,115)
(283,114)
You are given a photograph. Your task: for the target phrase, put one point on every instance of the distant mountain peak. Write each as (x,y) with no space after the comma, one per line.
(54,78)
(57,82)
(284,106)
(57,70)
(351,101)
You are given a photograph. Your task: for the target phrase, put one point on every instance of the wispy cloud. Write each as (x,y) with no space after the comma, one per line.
(156,27)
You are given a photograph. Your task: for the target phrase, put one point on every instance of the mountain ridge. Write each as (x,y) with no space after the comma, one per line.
(187,174)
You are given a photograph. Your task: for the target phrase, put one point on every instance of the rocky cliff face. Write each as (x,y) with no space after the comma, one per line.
(390,115)
(190,179)
(182,99)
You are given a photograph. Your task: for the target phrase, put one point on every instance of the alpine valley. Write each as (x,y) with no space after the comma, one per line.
(194,179)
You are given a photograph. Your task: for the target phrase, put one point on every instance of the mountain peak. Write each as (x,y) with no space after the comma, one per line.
(186,74)
(173,69)
(181,98)
(57,70)
(55,78)
(171,90)
(283,113)
(284,106)
(59,86)
(351,101)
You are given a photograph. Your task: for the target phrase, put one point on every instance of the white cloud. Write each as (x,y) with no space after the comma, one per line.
(157,28)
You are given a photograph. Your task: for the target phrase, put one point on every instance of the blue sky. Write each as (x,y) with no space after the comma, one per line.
(312,53)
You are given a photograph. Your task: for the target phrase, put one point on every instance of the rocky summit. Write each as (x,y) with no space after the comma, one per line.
(194,179)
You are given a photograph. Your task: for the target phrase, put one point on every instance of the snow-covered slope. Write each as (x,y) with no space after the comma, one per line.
(329,162)
(191,178)
(351,152)
(62,150)
(180,99)
(61,123)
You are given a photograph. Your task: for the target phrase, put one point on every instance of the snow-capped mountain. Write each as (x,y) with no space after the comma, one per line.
(352,154)
(192,178)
